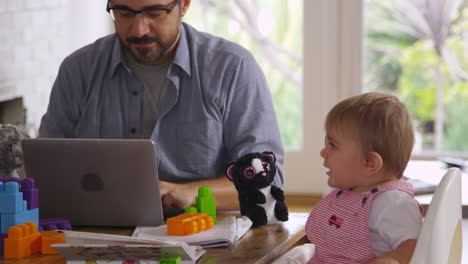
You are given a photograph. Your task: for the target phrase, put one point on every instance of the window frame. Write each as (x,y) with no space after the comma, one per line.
(333,69)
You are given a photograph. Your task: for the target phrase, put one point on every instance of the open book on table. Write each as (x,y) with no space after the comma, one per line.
(223,234)
(103,248)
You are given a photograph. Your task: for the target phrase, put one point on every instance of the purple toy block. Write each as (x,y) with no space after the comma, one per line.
(12,179)
(2,179)
(2,237)
(54,224)
(30,193)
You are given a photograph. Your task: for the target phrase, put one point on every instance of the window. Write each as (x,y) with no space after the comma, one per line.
(418,50)
(272,31)
(330,52)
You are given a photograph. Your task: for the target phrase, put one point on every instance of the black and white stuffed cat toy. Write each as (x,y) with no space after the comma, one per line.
(259,200)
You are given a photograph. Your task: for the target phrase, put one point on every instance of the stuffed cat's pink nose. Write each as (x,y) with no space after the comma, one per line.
(263,173)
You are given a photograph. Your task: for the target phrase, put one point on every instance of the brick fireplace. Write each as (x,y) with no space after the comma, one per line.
(13,112)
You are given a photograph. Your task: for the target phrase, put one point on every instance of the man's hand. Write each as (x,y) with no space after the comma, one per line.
(178,195)
(182,195)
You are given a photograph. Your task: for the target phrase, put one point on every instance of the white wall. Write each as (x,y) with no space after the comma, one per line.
(36,36)
(33,37)
(88,21)
(332,71)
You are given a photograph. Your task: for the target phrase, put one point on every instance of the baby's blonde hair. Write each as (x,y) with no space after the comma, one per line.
(380,123)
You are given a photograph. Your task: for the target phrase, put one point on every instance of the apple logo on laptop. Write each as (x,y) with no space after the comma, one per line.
(92,183)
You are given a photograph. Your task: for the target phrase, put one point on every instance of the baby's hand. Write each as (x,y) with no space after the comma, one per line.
(401,255)
(385,260)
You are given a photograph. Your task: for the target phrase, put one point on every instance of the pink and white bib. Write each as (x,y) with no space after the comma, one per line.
(338,225)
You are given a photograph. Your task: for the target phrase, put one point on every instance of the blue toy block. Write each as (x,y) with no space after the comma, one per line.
(30,192)
(11,199)
(9,220)
(2,238)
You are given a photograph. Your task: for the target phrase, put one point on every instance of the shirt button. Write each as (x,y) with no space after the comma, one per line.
(133,130)
(134,93)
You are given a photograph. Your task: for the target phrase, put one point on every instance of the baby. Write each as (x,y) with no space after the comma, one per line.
(371,216)
(11,156)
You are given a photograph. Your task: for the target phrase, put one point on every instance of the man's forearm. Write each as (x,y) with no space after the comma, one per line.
(224,192)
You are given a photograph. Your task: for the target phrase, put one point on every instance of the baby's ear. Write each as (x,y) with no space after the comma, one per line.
(271,156)
(230,171)
(373,161)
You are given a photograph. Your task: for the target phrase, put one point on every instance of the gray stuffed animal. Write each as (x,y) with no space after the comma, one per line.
(11,155)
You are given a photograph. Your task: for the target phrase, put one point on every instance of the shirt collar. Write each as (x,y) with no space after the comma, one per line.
(117,56)
(181,58)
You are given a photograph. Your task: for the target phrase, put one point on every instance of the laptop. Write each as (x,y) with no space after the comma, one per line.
(95,182)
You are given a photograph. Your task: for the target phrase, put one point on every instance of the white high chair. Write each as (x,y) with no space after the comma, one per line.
(440,237)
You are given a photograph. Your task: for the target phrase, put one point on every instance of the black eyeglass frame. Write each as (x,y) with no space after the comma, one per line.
(168,8)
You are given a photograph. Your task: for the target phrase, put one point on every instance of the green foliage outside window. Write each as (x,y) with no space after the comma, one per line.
(422,56)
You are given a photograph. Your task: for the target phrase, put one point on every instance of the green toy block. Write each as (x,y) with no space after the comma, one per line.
(191,209)
(205,202)
(173,260)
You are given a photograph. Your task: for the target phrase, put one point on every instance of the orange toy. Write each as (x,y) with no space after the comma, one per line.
(49,238)
(22,241)
(188,223)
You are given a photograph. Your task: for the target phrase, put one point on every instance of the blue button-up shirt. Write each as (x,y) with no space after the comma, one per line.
(217,106)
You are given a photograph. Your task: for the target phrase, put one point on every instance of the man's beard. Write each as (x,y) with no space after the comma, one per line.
(150,55)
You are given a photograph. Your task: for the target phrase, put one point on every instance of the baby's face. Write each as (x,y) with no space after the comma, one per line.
(343,158)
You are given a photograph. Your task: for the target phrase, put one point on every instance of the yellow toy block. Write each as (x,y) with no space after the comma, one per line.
(188,223)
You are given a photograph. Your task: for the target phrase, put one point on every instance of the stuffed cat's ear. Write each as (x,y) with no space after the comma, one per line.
(271,156)
(230,171)
(19,161)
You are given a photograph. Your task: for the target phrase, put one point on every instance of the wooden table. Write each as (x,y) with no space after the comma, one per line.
(258,245)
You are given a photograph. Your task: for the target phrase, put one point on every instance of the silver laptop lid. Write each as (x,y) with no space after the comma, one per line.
(98,182)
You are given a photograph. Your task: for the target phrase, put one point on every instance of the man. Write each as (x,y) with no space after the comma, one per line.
(204,101)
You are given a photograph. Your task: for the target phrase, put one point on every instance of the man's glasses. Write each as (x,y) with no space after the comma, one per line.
(126,15)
